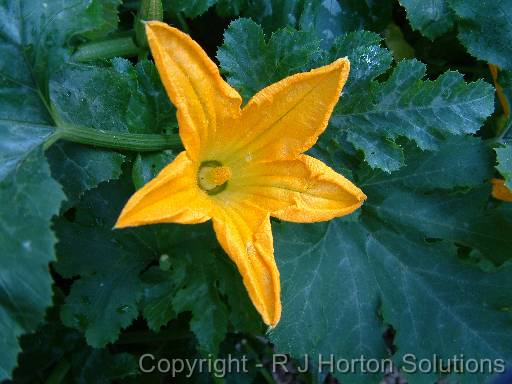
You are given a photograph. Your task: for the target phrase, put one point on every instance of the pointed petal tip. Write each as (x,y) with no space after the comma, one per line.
(360,197)
(122,222)
(153,25)
(270,320)
(342,63)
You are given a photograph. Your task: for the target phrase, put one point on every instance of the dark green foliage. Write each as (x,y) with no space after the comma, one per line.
(425,261)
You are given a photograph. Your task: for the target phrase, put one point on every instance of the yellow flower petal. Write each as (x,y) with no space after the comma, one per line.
(241,166)
(500,190)
(286,118)
(204,100)
(301,190)
(171,197)
(245,235)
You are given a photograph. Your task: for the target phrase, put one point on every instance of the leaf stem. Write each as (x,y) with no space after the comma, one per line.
(125,141)
(51,139)
(121,46)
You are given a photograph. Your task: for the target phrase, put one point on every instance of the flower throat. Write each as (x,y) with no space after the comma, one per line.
(213,177)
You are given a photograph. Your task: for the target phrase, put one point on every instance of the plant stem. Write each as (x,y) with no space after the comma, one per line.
(51,139)
(121,46)
(124,141)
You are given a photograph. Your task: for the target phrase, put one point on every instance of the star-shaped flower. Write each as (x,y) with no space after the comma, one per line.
(242,165)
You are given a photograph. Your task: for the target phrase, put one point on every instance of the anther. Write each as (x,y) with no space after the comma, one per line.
(213,177)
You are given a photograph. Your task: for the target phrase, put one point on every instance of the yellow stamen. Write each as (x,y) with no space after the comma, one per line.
(211,177)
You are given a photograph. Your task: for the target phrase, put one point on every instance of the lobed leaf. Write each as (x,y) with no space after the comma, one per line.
(329,19)
(79,169)
(426,112)
(104,300)
(35,41)
(484,31)
(122,98)
(251,63)
(30,197)
(432,18)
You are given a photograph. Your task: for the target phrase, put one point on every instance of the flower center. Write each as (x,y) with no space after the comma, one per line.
(213,177)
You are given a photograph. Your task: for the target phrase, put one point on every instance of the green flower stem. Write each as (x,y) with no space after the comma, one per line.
(123,141)
(121,46)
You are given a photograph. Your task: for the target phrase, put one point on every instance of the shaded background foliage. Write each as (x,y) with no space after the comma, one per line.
(423,268)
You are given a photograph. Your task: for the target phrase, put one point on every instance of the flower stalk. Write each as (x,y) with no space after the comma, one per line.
(118,47)
(123,141)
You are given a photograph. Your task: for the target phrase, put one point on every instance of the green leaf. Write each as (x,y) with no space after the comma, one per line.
(464,161)
(36,45)
(36,38)
(199,278)
(104,299)
(423,111)
(55,351)
(78,168)
(30,197)
(462,218)
(251,63)
(367,59)
(329,19)
(122,98)
(17,141)
(159,287)
(116,292)
(287,52)
(355,271)
(371,115)
(147,166)
(190,8)
(326,19)
(431,18)
(273,14)
(209,314)
(504,156)
(484,31)
(408,201)
(398,264)
(37,33)
(327,286)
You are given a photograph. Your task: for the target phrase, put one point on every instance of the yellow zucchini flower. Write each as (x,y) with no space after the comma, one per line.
(242,165)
